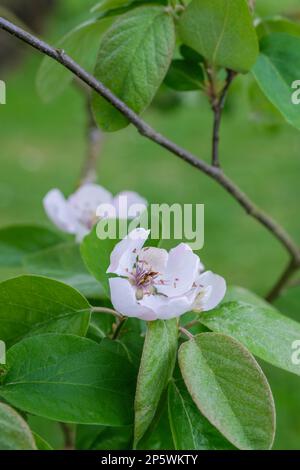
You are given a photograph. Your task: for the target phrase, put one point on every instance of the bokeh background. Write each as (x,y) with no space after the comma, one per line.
(43,146)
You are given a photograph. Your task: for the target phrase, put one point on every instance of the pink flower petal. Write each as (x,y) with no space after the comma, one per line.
(125,252)
(124,300)
(59,211)
(183,268)
(214,291)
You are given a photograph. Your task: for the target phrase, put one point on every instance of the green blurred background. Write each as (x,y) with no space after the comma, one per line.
(42,146)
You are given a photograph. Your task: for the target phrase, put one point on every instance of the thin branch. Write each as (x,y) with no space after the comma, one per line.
(251,4)
(68,436)
(147,131)
(291,268)
(119,328)
(186,332)
(218,103)
(94,137)
(107,310)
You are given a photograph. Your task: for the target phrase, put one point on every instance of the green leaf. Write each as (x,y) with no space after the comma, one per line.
(277,24)
(82,45)
(259,326)
(184,76)
(17,241)
(31,305)
(100,326)
(190,429)
(103,437)
(235,293)
(158,436)
(289,302)
(222,31)
(41,443)
(134,56)
(156,369)
(277,67)
(230,389)
(190,54)
(96,256)
(15,433)
(70,379)
(261,109)
(64,263)
(106,5)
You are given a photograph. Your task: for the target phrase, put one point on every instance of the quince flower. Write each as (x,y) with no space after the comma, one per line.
(154,284)
(78,213)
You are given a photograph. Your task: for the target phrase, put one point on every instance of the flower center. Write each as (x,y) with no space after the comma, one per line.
(143,278)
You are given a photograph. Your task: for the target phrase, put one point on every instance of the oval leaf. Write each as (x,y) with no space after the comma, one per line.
(103,437)
(96,256)
(222,31)
(18,241)
(277,68)
(15,433)
(184,75)
(70,379)
(82,45)
(41,443)
(277,24)
(230,389)
(259,326)
(64,263)
(190,430)
(135,54)
(31,305)
(156,369)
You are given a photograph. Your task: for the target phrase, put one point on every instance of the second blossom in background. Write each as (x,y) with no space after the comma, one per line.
(77,214)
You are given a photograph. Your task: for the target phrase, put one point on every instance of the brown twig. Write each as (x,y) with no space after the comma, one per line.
(217,104)
(251,4)
(94,139)
(291,268)
(147,131)
(68,436)
(119,327)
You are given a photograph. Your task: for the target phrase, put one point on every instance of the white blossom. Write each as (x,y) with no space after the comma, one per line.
(152,283)
(78,213)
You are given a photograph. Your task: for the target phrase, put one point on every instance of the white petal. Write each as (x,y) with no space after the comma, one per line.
(85,202)
(125,252)
(154,258)
(91,195)
(59,211)
(129,204)
(182,270)
(165,307)
(124,300)
(213,288)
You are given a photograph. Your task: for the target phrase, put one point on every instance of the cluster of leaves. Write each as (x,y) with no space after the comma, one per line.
(134,47)
(130,384)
